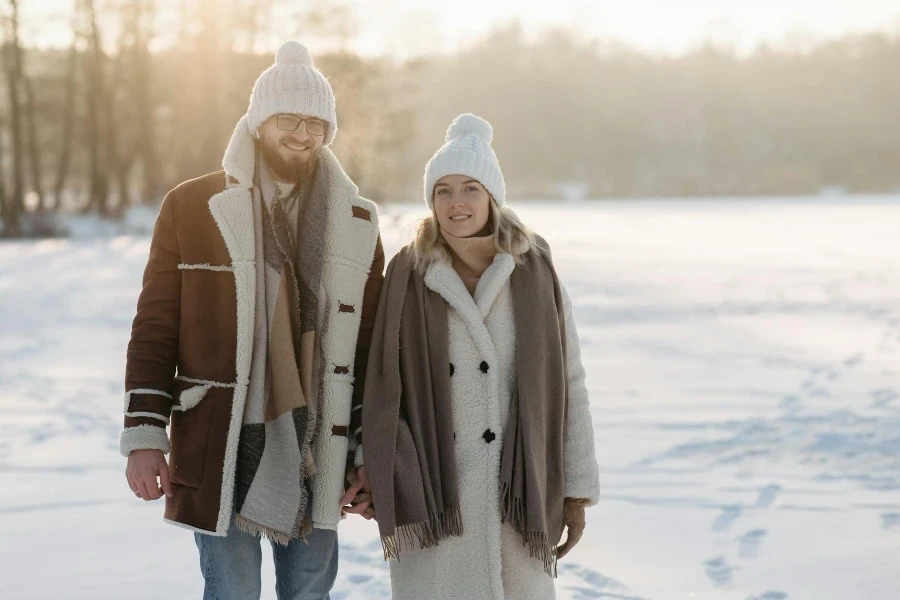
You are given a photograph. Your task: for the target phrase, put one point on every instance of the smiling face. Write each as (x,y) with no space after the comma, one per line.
(462,205)
(290,155)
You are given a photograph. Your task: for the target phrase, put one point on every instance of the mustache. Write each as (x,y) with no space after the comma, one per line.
(290,139)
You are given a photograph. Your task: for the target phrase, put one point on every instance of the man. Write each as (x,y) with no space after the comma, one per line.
(260,292)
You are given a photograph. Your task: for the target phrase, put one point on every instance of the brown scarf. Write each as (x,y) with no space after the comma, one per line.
(411,461)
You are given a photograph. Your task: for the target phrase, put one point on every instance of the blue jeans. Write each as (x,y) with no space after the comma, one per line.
(231,566)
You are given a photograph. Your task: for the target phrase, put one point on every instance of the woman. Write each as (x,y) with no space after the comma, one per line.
(478,439)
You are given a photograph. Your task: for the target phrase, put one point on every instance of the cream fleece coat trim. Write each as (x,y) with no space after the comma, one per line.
(143,437)
(206,382)
(192,397)
(205,267)
(148,415)
(232,210)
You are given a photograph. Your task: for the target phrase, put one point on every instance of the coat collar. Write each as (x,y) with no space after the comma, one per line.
(492,281)
(443,279)
(233,212)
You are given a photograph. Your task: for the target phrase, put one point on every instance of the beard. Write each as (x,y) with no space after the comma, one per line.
(289,170)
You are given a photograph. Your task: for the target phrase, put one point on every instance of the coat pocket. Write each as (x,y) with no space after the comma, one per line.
(190,429)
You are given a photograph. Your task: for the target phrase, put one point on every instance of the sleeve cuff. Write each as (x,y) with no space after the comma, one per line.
(143,437)
(358,459)
(588,491)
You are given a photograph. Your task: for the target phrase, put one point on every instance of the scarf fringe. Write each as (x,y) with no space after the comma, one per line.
(512,511)
(254,528)
(424,534)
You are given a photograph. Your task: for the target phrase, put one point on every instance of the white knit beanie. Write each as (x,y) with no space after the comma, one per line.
(292,86)
(467,151)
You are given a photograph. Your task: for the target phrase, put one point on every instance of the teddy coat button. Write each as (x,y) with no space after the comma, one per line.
(489,436)
(484,366)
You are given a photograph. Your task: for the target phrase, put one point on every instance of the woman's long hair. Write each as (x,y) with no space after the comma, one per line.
(510,234)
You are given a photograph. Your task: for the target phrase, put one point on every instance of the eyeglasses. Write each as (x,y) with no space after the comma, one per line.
(292,123)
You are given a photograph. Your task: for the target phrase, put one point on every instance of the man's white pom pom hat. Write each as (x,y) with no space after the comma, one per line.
(292,86)
(467,151)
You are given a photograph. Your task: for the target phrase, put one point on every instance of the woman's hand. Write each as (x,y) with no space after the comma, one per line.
(573,516)
(358,497)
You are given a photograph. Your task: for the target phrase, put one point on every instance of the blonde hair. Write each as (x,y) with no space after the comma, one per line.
(510,234)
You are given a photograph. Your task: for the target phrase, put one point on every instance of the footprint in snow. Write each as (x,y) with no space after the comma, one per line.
(883,397)
(750,543)
(719,571)
(854,360)
(890,520)
(728,516)
(790,404)
(767,495)
(771,595)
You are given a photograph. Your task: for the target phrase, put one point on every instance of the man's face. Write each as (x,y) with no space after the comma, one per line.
(291,155)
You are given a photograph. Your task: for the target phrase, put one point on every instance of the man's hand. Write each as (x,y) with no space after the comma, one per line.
(573,512)
(358,497)
(144,466)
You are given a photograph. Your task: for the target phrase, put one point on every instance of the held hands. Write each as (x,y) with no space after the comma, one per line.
(573,515)
(357,498)
(144,466)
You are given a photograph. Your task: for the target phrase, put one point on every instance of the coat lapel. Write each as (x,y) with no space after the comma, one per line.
(443,279)
(240,156)
(492,281)
(232,210)
(353,221)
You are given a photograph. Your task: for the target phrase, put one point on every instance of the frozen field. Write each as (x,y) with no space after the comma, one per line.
(744,365)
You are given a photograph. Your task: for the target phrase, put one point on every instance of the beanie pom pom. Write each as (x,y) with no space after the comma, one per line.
(470,124)
(293,53)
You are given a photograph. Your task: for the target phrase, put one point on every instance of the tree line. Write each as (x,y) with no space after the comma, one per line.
(118,119)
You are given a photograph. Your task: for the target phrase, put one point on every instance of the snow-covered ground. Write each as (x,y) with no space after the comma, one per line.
(744,364)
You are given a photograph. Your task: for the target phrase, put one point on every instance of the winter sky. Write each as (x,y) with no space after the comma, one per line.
(413,27)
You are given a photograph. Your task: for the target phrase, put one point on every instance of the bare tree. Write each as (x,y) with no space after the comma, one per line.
(2,187)
(33,140)
(117,126)
(95,97)
(142,86)
(15,204)
(68,113)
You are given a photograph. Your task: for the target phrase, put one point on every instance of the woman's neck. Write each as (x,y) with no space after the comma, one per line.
(471,256)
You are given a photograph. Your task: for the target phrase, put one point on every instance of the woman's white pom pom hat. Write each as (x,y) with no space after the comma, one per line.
(292,85)
(467,151)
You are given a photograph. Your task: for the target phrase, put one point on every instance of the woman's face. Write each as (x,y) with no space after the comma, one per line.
(462,205)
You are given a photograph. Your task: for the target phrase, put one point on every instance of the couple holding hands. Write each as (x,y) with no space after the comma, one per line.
(444,398)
